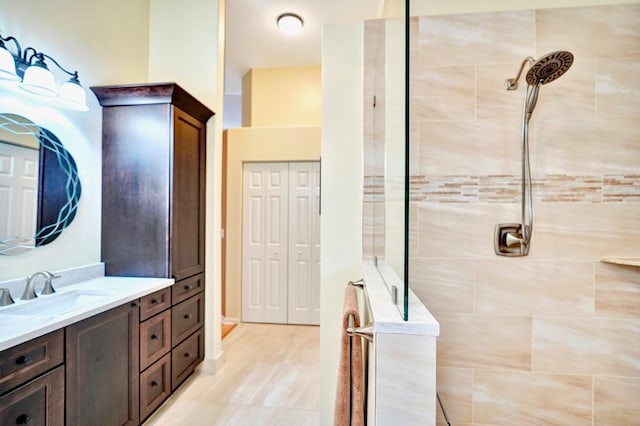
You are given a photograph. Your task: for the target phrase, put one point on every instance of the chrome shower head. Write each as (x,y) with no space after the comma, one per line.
(549,67)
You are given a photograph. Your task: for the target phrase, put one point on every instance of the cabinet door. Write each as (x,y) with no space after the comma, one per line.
(187,236)
(102,369)
(39,402)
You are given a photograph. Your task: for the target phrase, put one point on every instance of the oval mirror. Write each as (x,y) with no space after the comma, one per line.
(39,185)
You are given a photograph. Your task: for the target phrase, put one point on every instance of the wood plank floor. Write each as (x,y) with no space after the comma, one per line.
(270,377)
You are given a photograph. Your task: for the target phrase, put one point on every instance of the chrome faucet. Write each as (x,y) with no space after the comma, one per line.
(29,290)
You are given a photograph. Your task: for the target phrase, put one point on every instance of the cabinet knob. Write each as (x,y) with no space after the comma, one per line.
(154,337)
(154,384)
(24,360)
(187,287)
(24,419)
(134,304)
(187,355)
(187,316)
(154,302)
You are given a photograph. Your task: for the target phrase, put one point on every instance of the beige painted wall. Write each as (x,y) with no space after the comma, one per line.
(256,144)
(274,97)
(176,31)
(341,219)
(107,43)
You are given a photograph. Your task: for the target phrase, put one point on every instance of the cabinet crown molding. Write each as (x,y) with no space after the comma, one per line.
(152,93)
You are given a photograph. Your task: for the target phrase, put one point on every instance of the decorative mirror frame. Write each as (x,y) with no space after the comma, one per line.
(47,232)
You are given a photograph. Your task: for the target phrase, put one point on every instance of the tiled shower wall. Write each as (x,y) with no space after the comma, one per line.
(552,338)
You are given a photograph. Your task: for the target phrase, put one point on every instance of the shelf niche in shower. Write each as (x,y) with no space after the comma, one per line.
(626,261)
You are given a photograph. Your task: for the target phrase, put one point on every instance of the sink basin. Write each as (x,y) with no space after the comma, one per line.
(58,303)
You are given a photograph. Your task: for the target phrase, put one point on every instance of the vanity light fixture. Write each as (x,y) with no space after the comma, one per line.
(290,23)
(28,66)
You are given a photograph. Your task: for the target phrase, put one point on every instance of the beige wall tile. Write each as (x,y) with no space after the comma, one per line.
(514,398)
(493,100)
(445,93)
(460,230)
(590,346)
(529,287)
(405,366)
(585,231)
(470,147)
(478,340)
(618,87)
(617,291)
(481,38)
(443,285)
(587,146)
(590,32)
(455,387)
(616,401)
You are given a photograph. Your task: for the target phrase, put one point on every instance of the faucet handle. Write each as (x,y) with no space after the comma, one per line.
(5,297)
(48,286)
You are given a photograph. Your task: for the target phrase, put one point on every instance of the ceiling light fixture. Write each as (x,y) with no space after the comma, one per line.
(28,66)
(290,23)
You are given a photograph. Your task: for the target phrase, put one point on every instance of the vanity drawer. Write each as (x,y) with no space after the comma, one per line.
(186,317)
(186,288)
(155,303)
(39,402)
(155,339)
(24,362)
(186,357)
(155,386)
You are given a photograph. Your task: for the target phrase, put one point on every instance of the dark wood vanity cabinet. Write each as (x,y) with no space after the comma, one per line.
(171,340)
(102,368)
(32,382)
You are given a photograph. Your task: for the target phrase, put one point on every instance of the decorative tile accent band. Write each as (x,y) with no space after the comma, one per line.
(507,188)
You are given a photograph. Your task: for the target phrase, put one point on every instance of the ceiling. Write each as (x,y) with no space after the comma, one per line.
(253,39)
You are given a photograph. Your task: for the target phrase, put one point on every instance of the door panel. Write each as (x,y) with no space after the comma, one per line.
(304,278)
(264,273)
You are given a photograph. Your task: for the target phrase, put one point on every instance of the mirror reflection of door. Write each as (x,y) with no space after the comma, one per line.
(18,187)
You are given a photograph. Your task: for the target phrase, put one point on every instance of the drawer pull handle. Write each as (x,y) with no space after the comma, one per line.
(187,287)
(154,301)
(23,419)
(187,316)
(24,360)
(154,384)
(187,355)
(154,337)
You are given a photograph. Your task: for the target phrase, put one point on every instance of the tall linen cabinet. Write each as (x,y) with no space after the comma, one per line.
(153,219)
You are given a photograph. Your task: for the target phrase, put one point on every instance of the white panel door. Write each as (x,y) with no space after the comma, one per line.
(304,244)
(264,253)
(18,191)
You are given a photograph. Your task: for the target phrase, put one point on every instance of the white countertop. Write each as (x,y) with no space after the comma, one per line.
(387,318)
(28,319)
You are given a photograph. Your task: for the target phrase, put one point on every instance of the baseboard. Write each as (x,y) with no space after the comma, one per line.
(230,320)
(210,366)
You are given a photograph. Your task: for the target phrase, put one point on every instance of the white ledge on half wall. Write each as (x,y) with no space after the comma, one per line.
(627,261)
(386,316)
